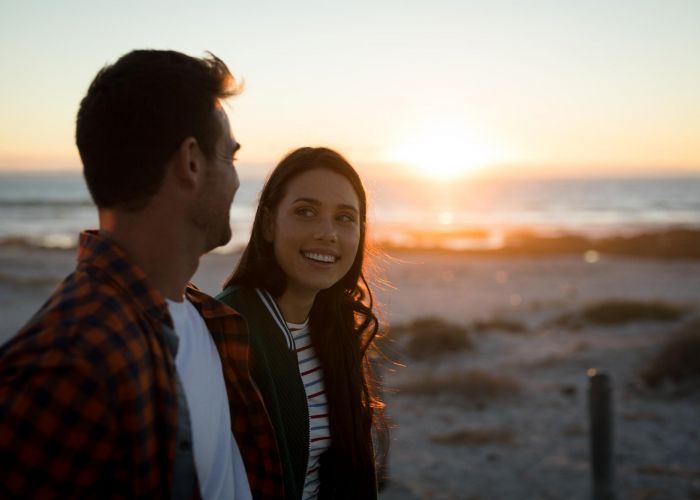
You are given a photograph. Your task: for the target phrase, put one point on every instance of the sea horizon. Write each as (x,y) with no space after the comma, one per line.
(48,209)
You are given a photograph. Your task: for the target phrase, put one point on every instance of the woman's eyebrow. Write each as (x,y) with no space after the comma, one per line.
(311,201)
(315,202)
(348,207)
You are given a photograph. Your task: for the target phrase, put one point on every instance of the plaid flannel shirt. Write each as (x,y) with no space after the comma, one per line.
(88,404)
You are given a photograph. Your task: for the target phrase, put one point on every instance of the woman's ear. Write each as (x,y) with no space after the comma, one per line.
(268,225)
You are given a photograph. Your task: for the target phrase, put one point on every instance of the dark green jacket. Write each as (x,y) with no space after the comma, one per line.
(275,370)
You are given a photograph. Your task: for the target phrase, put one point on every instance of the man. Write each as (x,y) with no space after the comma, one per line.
(117,387)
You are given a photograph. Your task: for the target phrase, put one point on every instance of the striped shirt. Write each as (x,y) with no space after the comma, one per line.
(312,378)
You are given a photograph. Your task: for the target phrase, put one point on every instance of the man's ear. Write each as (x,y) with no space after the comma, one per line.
(188,162)
(268,225)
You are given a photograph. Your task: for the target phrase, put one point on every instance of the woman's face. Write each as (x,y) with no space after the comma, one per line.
(315,230)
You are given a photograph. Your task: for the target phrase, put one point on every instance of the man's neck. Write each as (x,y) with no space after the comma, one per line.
(159,248)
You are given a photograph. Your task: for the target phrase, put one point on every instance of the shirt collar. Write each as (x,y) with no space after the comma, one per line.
(208,307)
(97,251)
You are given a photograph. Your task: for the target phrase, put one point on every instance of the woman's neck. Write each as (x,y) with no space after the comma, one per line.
(295,307)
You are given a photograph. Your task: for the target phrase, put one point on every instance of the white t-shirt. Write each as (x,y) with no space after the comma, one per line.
(218,461)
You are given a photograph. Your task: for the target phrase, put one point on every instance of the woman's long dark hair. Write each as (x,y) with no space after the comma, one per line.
(342,323)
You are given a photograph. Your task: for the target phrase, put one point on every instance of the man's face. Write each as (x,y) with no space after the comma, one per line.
(211,212)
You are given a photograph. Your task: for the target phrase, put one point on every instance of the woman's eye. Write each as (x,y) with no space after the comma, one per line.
(346,218)
(305,212)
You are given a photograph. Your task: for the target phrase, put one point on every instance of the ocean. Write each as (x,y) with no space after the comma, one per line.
(49,209)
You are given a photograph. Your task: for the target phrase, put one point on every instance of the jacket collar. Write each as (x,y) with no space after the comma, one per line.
(208,307)
(98,252)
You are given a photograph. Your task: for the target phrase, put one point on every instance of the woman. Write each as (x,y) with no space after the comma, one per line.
(300,286)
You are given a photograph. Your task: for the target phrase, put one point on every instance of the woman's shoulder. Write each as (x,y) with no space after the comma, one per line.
(237,295)
(246,301)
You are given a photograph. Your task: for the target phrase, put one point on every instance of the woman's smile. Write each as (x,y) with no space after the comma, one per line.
(320,257)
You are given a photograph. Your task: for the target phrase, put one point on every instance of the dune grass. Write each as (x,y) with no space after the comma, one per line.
(431,336)
(475,437)
(28,281)
(618,312)
(468,386)
(678,360)
(614,312)
(499,324)
(668,470)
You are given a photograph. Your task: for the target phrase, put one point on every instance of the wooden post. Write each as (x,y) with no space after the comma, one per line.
(600,414)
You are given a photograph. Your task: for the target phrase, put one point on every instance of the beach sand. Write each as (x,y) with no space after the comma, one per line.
(530,442)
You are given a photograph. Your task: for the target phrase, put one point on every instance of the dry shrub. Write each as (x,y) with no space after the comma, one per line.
(570,321)
(471,386)
(648,493)
(475,437)
(431,336)
(642,416)
(500,324)
(574,430)
(28,281)
(615,312)
(618,312)
(548,361)
(678,360)
(668,470)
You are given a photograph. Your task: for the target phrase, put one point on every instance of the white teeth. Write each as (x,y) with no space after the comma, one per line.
(320,257)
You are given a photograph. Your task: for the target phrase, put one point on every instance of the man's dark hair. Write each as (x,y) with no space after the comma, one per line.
(137,112)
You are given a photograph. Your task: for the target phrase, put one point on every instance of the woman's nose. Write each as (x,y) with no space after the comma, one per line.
(326,230)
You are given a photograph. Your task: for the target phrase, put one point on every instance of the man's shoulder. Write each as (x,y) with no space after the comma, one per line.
(221,317)
(84,308)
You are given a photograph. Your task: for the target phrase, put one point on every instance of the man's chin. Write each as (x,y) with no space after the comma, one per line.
(225,238)
(219,242)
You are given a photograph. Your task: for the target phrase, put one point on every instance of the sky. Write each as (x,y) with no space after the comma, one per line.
(441,88)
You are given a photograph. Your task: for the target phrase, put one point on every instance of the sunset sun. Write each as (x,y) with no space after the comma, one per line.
(444,154)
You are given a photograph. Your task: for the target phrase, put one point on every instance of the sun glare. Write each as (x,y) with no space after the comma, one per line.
(444,154)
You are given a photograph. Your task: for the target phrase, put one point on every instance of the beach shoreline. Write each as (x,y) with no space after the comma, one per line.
(415,281)
(665,242)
